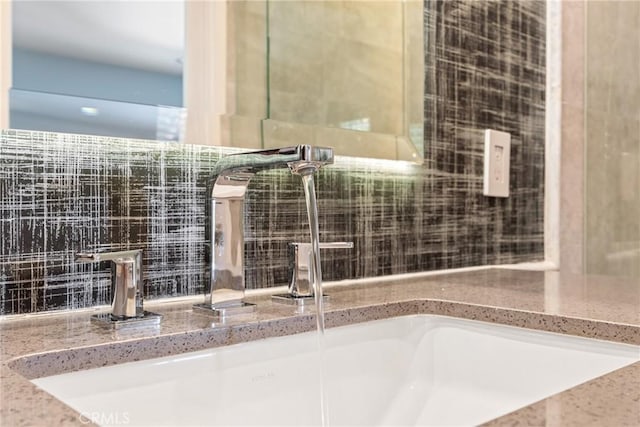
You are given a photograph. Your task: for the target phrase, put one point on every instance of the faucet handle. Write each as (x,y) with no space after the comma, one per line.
(299,265)
(126,280)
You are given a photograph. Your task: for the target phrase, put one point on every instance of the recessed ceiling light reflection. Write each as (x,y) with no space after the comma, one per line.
(89,111)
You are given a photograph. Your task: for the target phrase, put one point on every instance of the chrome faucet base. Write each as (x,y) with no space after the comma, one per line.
(297,301)
(107,320)
(222,312)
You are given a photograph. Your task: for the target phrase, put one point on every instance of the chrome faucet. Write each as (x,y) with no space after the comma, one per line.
(225,218)
(126,277)
(126,287)
(301,290)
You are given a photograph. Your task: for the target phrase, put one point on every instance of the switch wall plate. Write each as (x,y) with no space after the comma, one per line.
(497,153)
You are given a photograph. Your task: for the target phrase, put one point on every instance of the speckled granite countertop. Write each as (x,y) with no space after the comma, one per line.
(595,307)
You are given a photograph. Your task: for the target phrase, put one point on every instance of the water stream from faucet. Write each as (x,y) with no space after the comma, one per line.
(312,213)
(316,273)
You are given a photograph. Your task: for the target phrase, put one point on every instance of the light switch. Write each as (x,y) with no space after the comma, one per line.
(497,149)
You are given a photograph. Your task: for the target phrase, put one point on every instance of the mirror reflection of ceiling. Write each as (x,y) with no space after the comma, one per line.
(98,30)
(101,67)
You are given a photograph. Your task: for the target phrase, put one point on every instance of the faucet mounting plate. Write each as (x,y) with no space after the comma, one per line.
(297,301)
(106,320)
(222,312)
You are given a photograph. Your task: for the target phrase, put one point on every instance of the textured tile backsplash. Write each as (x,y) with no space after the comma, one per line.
(60,194)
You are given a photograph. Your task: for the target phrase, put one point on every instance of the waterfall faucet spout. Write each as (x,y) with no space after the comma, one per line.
(225,214)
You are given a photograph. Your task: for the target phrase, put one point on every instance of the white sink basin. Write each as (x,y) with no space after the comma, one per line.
(414,370)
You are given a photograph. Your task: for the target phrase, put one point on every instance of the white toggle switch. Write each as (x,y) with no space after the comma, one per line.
(497,147)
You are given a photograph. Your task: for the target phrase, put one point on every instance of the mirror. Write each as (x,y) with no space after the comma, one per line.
(343,73)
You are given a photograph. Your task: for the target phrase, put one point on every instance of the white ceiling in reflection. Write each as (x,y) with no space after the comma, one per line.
(146,35)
